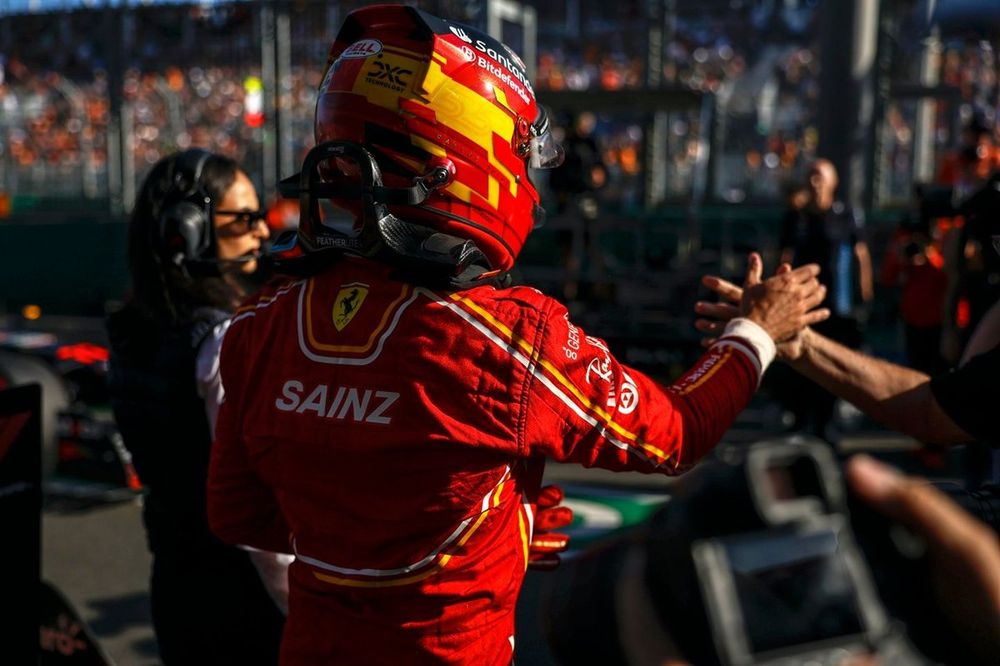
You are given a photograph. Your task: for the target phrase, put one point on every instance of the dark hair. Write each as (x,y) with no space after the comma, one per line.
(161,290)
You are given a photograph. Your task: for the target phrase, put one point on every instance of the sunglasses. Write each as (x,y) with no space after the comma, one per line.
(250,218)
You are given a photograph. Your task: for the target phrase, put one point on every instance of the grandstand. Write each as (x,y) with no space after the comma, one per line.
(704,113)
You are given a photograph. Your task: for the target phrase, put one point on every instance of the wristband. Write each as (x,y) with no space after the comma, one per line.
(752,340)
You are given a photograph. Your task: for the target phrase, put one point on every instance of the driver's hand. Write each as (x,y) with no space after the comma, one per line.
(784,304)
(550,514)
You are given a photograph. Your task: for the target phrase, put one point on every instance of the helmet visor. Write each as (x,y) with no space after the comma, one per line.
(544,151)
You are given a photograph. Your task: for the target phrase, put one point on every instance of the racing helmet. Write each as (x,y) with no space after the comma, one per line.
(450,121)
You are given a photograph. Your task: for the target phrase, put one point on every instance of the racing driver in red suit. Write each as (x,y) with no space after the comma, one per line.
(390,425)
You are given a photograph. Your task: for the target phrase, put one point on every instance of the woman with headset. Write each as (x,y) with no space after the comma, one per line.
(193,243)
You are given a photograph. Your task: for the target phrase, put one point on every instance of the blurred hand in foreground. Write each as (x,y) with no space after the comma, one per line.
(963,553)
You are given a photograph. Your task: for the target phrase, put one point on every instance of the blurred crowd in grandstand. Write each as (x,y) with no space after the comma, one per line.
(192,76)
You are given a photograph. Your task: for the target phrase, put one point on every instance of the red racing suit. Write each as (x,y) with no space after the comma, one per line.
(392,437)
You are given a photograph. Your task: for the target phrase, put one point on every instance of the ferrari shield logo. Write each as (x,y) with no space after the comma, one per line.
(348,302)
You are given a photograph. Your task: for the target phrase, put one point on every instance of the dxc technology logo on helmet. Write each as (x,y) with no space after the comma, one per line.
(458,32)
(362,49)
(386,75)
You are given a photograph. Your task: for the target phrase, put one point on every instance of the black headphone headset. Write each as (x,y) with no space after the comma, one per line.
(184,225)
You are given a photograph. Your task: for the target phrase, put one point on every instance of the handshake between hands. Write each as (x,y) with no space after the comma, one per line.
(784,305)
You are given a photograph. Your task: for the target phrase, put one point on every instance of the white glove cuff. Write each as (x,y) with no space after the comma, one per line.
(752,340)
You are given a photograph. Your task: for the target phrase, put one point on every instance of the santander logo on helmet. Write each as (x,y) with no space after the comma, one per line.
(416,90)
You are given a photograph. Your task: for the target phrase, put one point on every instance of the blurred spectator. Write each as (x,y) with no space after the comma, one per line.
(974,277)
(577,184)
(830,233)
(582,173)
(968,167)
(914,263)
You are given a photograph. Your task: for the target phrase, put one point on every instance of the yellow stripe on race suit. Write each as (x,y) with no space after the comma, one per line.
(263,302)
(374,578)
(534,357)
(525,537)
(714,369)
(316,344)
(526,521)
(395,582)
(441,563)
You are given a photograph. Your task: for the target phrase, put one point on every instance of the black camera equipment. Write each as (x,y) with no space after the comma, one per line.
(759,557)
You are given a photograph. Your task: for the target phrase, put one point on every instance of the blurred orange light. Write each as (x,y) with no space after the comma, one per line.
(31,312)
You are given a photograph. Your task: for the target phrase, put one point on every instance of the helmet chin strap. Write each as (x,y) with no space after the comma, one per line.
(419,253)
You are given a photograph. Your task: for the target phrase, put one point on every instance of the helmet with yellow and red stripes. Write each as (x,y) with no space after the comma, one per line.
(427,96)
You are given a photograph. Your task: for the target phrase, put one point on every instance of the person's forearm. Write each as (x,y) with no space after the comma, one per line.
(865,275)
(867,283)
(891,394)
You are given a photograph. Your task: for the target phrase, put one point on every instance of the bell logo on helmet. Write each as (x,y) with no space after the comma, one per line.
(362,49)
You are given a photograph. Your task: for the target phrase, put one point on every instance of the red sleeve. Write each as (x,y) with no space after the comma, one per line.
(242,508)
(584,406)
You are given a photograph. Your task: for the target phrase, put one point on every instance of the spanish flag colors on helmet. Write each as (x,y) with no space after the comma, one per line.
(419,92)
